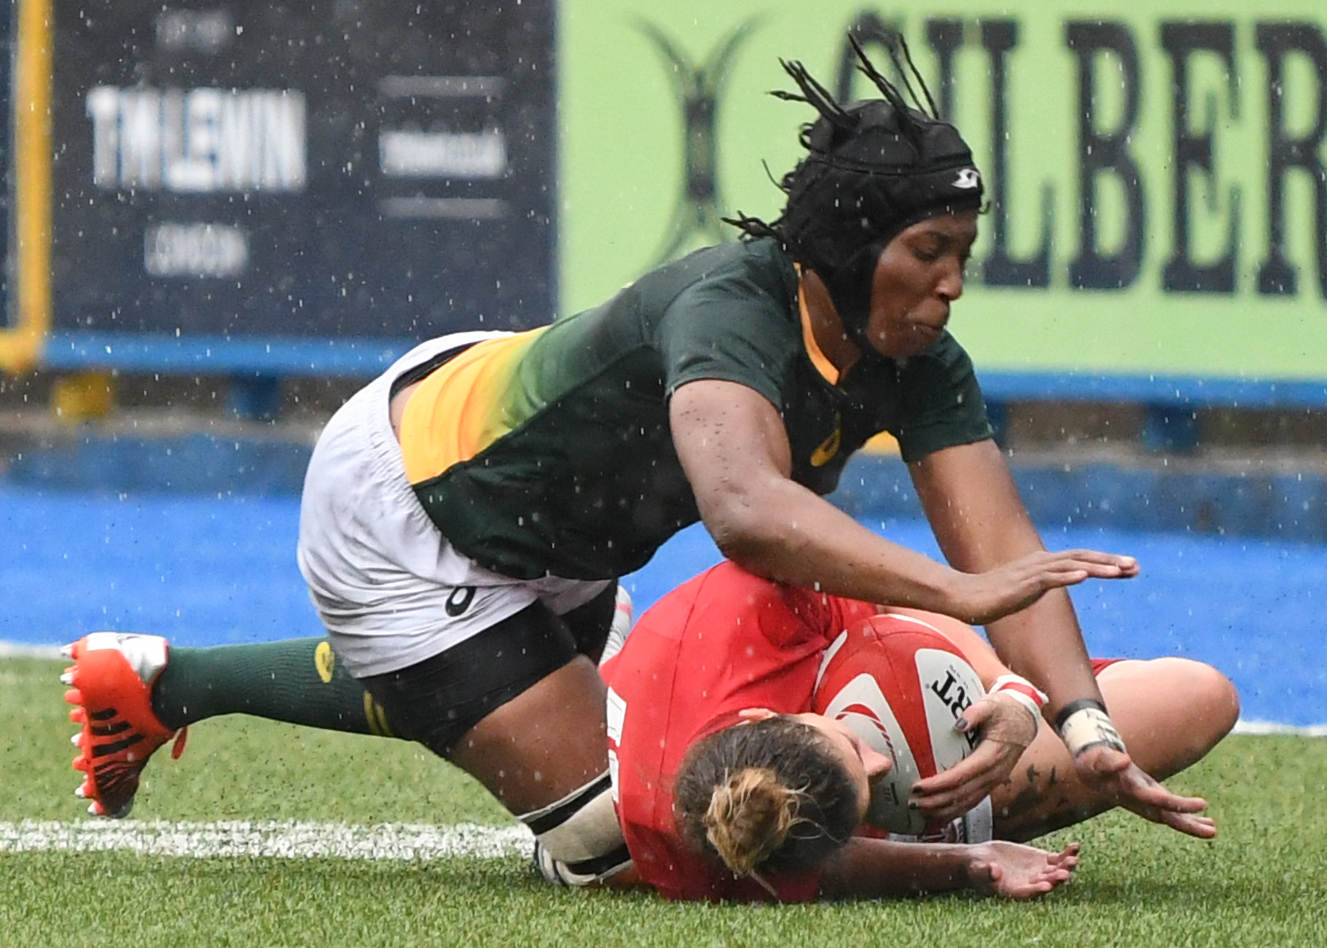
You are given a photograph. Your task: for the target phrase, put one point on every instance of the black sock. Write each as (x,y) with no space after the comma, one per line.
(298,681)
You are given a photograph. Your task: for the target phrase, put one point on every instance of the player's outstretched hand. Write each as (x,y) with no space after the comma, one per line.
(1115,776)
(984,597)
(1006,728)
(1015,871)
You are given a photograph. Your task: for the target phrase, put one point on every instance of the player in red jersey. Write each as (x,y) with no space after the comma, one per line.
(728,648)
(724,648)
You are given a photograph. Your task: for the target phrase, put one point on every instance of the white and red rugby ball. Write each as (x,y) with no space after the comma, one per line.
(900,685)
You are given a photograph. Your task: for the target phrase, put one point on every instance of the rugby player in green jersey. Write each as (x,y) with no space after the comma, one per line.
(466,515)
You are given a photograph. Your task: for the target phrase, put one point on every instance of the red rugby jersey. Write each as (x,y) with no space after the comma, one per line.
(723,642)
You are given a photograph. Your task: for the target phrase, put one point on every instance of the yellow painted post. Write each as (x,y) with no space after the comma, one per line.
(83,396)
(21,344)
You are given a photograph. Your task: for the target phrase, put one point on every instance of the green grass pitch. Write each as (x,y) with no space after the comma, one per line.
(1262,883)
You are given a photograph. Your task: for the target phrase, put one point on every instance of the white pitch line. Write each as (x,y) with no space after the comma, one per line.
(24,650)
(1271,727)
(288,839)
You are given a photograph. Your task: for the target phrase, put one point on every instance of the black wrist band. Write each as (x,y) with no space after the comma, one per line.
(1074,706)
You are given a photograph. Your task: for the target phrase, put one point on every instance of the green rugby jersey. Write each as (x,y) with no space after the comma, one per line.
(572,471)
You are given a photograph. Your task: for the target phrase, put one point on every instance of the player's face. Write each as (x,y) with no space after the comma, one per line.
(919,273)
(863,763)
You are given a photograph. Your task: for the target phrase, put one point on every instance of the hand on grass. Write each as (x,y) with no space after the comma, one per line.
(1015,871)
(1115,776)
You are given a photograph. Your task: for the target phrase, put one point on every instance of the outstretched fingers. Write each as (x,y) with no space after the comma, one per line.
(1115,776)
(987,596)
(1093,563)
(1142,795)
(1154,794)
(1016,871)
(1200,827)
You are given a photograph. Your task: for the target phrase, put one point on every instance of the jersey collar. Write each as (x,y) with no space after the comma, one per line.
(818,358)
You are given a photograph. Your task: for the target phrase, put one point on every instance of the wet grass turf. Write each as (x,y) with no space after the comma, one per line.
(1263,882)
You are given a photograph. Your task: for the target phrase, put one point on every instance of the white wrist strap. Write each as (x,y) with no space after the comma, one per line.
(1088,725)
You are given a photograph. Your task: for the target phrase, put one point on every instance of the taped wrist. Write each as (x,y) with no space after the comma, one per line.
(577,839)
(1084,724)
(1024,692)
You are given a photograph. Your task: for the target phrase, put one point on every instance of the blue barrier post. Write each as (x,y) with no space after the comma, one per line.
(1168,428)
(254,397)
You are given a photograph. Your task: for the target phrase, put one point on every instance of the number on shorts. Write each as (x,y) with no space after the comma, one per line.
(460,600)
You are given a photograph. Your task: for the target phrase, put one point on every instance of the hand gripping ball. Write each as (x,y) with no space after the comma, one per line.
(900,685)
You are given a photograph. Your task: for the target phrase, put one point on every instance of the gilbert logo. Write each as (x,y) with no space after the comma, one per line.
(968,178)
(955,697)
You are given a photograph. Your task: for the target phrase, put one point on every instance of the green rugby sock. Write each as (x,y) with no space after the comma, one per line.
(298,681)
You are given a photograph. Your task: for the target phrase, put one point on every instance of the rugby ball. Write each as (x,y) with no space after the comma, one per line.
(900,685)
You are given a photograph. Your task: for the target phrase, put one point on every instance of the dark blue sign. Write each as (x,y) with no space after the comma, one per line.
(299,173)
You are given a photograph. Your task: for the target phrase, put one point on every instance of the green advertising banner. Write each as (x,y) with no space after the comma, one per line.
(1157,172)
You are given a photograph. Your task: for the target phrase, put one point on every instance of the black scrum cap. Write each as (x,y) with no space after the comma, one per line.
(872,169)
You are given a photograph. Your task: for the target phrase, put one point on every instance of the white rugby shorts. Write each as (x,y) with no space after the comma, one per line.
(386,583)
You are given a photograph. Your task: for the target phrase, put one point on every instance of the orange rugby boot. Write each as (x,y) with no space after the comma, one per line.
(111,687)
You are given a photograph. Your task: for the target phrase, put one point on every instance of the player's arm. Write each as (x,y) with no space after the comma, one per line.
(880,868)
(980,522)
(735,451)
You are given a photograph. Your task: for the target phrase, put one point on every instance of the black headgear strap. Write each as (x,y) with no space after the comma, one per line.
(873,169)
